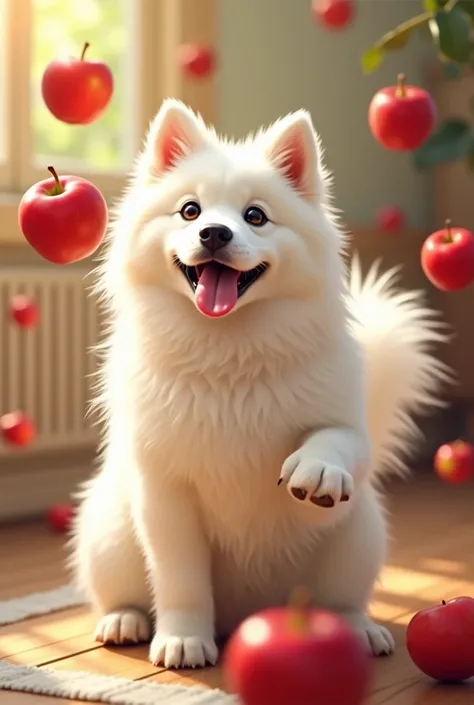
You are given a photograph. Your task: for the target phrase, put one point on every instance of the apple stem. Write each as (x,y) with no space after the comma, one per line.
(443,602)
(58,188)
(299,603)
(86,46)
(448,237)
(401,93)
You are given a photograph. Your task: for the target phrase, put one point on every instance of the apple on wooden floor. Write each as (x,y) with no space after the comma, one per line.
(63,218)
(454,462)
(296,655)
(17,428)
(77,90)
(334,14)
(402,117)
(24,311)
(440,640)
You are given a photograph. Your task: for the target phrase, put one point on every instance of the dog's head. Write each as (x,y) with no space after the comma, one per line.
(228,224)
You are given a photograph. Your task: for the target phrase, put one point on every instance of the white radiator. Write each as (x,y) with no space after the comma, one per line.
(48,371)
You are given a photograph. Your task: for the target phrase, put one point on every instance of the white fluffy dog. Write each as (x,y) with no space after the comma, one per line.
(251,395)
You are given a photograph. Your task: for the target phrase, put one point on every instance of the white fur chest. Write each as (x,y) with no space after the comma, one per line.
(209,428)
(224,423)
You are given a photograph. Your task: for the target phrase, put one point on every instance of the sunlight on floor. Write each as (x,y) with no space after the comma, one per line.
(441,565)
(402,581)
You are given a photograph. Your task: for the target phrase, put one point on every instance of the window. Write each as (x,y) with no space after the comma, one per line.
(137,39)
(5,173)
(39,31)
(107,145)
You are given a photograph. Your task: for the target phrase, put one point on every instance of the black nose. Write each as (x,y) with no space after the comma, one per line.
(213,237)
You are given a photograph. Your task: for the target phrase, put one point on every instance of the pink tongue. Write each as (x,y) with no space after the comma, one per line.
(216,292)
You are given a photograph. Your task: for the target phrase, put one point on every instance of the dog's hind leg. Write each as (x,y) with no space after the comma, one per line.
(108,564)
(348,567)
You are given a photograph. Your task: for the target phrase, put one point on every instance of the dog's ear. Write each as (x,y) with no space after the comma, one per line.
(292,146)
(176,132)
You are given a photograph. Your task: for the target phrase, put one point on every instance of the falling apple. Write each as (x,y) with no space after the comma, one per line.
(60,516)
(24,311)
(196,60)
(454,462)
(77,91)
(299,655)
(17,428)
(401,117)
(390,219)
(334,14)
(63,219)
(447,258)
(440,640)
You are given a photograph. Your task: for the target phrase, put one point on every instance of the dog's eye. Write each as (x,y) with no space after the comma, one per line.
(190,211)
(255,216)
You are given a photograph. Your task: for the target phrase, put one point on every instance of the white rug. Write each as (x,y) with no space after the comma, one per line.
(39,603)
(78,685)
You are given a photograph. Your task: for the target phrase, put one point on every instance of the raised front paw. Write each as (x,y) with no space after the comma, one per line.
(313,480)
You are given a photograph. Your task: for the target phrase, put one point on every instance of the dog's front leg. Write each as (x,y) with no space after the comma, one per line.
(178,558)
(326,465)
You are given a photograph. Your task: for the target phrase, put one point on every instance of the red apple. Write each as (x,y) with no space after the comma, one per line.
(401,117)
(390,219)
(77,91)
(196,60)
(64,219)
(17,429)
(24,311)
(454,462)
(447,258)
(60,516)
(296,655)
(334,14)
(440,640)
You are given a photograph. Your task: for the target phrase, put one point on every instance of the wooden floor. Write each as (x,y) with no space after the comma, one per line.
(432,559)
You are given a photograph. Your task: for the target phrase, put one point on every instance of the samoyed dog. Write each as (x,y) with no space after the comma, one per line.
(253,392)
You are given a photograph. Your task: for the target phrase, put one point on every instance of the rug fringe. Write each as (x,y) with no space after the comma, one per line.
(39,603)
(78,685)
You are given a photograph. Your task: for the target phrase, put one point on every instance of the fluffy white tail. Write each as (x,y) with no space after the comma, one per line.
(397,332)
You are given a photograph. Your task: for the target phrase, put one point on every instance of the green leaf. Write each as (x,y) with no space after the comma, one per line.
(396,39)
(467,6)
(431,5)
(453,140)
(371,59)
(391,41)
(451,71)
(450,32)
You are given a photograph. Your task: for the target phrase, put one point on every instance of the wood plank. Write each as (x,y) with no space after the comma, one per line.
(205,677)
(424,692)
(40,632)
(124,661)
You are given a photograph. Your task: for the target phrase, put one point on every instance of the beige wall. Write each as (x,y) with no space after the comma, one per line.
(274,59)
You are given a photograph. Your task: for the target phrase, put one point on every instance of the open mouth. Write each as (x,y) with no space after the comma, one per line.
(217,287)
